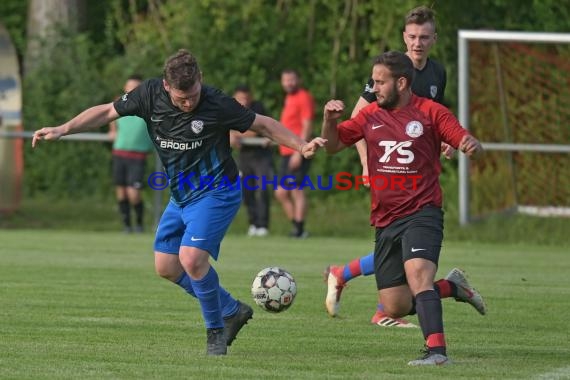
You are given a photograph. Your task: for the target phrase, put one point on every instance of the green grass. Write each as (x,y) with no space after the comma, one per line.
(327,217)
(88,305)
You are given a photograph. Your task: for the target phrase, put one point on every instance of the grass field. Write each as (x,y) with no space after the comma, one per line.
(88,305)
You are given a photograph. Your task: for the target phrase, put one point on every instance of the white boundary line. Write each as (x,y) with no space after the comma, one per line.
(557,374)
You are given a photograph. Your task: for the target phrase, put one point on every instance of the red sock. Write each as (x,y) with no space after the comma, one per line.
(436,343)
(445,288)
(351,270)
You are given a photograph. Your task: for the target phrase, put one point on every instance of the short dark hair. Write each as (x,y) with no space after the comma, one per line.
(242,88)
(399,64)
(181,70)
(135,77)
(420,16)
(291,71)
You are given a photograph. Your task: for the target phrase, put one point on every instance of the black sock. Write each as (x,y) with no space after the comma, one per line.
(139,209)
(125,210)
(295,227)
(430,316)
(299,226)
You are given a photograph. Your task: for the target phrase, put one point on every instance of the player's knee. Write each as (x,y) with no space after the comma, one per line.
(194,262)
(190,266)
(167,272)
(397,310)
(281,194)
(167,266)
(397,307)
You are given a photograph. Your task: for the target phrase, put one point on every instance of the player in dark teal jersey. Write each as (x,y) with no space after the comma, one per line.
(189,124)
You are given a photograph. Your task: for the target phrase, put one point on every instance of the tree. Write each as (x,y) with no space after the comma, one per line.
(47,20)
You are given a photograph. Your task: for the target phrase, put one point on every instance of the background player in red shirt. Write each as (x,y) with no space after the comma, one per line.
(403,135)
(297,116)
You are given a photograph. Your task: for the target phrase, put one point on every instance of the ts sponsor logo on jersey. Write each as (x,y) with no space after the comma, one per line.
(414,129)
(433,91)
(400,149)
(197,126)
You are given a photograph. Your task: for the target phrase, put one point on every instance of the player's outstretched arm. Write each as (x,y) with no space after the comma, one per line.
(447,150)
(471,147)
(332,112)
(90,118)
(274,130)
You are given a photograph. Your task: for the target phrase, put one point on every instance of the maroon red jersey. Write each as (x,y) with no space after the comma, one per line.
(403,154)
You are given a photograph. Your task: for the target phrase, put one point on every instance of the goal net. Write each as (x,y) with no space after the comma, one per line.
(514,95)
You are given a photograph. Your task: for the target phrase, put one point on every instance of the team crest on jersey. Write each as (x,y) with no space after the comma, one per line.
(124,97)
(414,129)
(433,91)
(197,126)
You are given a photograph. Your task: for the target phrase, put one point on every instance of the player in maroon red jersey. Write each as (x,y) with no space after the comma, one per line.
(430,80)
(403,134)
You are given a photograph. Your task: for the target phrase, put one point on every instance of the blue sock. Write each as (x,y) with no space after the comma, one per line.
(367,264)
(362,266)
(207,291)
(229,304)
(186,283)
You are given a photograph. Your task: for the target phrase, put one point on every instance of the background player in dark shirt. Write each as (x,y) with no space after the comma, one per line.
(419,35)
(430,77)
(254,160)
(403,134)
(189,125)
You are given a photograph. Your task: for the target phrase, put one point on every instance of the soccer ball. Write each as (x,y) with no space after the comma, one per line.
(274,289)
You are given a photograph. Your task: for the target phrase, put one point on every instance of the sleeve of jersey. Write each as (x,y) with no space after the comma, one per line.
(258,108)
(443,84)
(234,115)
(367,94)
(350,131)
(308,108)
(448,126)
(132,104)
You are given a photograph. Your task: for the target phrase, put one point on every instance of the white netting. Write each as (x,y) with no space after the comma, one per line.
(519,93)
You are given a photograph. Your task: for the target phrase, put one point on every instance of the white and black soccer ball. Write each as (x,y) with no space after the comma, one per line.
(274,289)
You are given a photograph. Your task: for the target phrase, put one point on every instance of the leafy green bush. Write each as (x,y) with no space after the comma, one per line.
(58,89)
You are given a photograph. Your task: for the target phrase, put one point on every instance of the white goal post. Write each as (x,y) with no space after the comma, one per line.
(464,37)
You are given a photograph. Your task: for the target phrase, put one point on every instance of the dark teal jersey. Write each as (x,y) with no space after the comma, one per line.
(194,147)
(429,82)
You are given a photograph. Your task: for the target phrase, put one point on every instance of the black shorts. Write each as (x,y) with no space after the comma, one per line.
(128,172)
(415,236)
(300,173)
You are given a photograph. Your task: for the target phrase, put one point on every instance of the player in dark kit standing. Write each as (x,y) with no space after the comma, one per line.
(430,81)
(403,134)
(430,77)
(189,125)
(131,145)
(255,164)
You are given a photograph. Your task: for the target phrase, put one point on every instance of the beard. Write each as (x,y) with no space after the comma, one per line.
(391,100)
(291,89)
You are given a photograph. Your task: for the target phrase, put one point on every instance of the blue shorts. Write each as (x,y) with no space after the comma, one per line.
(201,224)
